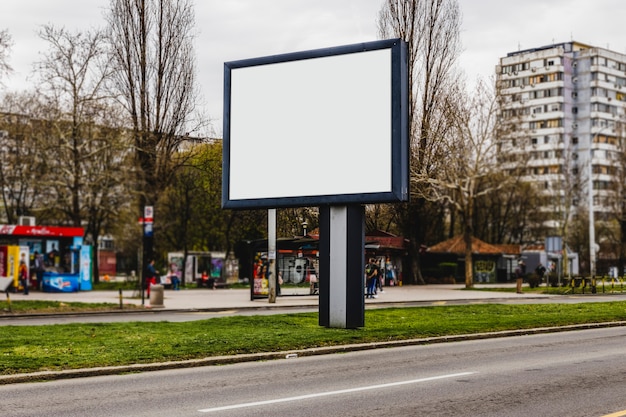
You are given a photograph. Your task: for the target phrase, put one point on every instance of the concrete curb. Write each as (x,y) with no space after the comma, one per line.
(264,356)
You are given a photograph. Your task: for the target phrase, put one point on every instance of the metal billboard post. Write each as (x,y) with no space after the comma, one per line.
(342,262)
(271,254)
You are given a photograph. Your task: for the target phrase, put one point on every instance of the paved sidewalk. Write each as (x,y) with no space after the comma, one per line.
(204,299)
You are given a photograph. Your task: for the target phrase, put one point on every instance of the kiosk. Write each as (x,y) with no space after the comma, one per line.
(67,261)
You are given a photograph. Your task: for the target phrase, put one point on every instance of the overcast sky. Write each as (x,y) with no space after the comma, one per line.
(239,29)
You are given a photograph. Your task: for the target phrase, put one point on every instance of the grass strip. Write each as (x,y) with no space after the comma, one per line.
(50,307)
(71,346)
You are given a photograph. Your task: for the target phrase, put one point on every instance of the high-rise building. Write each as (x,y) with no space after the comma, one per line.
(567,104)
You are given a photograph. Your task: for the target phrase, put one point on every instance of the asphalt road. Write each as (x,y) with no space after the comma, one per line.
(578,373)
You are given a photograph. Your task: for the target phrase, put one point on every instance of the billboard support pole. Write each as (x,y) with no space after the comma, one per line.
(271,254)
(342,260)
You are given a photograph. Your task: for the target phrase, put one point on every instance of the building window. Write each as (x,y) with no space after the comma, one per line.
(575,140)
(554,123)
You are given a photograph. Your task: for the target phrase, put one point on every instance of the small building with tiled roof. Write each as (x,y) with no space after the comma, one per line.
(491,263)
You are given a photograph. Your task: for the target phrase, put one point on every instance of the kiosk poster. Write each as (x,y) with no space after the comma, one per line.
(85,268)
(3,262)
(259,275)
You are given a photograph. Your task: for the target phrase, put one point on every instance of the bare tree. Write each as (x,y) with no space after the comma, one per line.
(85,150)
(610,184)
(431,29)
(5,47)
(152,51)
(72,75)
(21,164)
(471,148)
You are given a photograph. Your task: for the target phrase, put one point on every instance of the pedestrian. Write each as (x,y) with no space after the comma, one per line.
(53,257)
(39,269)
(151,275)
(313,285)
(204,279)
(540,271)
(380,280)
(174,277)
(520,271)
(23,275)
(390,275)
(371,275)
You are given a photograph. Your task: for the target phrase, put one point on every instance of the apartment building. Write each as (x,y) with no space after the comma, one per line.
(566,103)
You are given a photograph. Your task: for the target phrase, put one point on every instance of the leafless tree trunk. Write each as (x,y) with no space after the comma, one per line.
(431,29)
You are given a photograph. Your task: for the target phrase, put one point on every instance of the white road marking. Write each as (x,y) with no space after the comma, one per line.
(329,393)
(618,414)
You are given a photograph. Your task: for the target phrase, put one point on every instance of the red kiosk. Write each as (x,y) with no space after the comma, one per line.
(67,261)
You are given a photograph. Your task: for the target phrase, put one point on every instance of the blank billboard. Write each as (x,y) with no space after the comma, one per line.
(327,126)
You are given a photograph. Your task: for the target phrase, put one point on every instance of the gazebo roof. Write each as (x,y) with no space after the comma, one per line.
(456,245)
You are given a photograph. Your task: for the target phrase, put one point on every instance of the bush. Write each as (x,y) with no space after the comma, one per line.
(533,280)
(553,279)
(444,273)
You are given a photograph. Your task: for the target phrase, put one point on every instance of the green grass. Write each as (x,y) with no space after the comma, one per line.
(49,307)
(71,346)
(601,288)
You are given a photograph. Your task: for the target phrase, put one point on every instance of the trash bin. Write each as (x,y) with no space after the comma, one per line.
(156,296)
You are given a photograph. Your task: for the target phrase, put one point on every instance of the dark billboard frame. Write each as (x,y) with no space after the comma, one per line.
(241,141)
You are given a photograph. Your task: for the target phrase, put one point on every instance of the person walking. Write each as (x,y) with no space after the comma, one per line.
(39,269)
(520,271)
(174,277)
(371,274)
(540,271)
(23,275)
(151,275)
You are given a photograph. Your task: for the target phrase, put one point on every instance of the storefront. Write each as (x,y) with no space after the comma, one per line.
(66,262)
